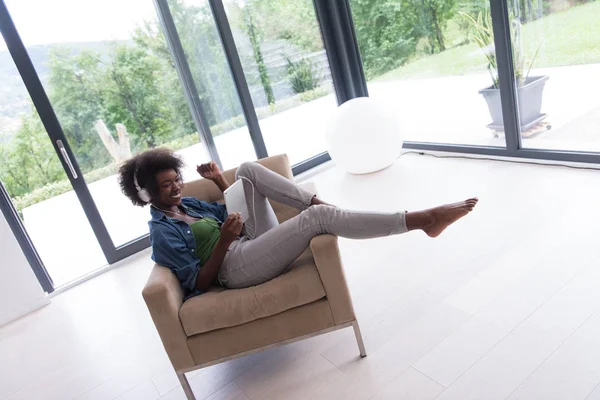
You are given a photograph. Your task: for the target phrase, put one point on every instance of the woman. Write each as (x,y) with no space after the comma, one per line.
(203,245)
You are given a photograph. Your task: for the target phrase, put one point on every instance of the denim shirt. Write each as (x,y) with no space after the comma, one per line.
(173,244)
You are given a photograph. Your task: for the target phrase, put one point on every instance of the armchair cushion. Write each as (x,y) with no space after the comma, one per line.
(219,308)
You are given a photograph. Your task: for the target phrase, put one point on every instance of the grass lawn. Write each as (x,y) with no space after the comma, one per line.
(568,37)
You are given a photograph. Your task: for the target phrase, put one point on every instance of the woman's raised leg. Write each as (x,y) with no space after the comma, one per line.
(256,261)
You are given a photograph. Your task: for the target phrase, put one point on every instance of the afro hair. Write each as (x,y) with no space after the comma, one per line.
(145,166)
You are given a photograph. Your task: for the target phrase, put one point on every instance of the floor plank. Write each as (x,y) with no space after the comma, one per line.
(410,385)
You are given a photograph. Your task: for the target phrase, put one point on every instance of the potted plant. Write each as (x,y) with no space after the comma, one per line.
(529,88)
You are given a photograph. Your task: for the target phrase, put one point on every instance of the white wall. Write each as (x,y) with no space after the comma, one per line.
(20,292)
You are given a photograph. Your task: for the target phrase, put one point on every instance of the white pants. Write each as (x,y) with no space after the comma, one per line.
(267,248)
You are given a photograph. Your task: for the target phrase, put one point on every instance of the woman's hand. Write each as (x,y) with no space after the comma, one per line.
(231,228)
(209,171)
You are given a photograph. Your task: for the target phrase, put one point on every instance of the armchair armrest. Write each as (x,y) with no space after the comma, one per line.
(329,264)
(164,297)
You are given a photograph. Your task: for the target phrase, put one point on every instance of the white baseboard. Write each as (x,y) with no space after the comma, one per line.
(23,310)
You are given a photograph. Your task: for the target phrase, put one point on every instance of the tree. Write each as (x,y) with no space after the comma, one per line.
(385,39)
(528,10)
(29,160)
(300,26)
(13,173)
(76,84)
(430,18)
(150,38)
(388,30)
(118,87)
(131,97)
(255,37)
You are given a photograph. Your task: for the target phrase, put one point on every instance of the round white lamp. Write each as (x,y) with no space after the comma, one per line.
(363,136)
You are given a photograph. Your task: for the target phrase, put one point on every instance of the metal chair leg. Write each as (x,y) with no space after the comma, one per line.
(185,384)
(359,339)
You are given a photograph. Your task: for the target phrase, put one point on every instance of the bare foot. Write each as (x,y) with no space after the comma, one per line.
(442,217)
(315,201)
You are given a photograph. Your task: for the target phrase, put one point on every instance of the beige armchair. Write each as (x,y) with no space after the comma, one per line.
(220,325)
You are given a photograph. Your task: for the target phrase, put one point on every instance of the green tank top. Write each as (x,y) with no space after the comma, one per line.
(206,235)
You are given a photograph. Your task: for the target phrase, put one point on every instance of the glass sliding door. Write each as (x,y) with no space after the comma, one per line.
(434,64)
(38,186)
(106,68)
(212,79)
(287,71)
(557,64)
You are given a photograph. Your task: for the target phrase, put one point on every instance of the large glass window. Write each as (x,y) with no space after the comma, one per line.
(111,81)
(38,186)
(434,63)
(213,80)
(287,71)
(557,63)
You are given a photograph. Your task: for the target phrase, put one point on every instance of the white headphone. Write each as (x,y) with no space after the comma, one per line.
(142,193)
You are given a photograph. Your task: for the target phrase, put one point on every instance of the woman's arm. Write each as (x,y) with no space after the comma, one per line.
(221,182)
(230,230)
(170,250)
(211,171)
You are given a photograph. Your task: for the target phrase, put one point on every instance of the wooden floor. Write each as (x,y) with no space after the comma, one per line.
(504,305)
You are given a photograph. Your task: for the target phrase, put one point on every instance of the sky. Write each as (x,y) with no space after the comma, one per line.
(63,21)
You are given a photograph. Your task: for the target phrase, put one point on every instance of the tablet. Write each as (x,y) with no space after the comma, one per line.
(235,200)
